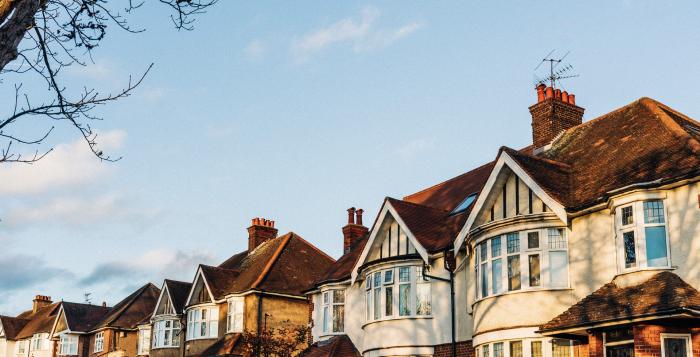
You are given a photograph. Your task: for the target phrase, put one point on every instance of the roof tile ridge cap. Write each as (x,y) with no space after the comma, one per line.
(272,261)
(671,125)
(312,246)
(674,111)
(440,184)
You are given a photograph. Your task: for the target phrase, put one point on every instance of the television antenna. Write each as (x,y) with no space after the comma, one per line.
(87,298)
(556,73)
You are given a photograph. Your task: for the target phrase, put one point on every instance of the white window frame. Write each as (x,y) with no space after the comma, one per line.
(37,342)
(143,344)
(638,227)
(235,314)
(328,304)
(68,345)
(21,349)
(99,342)
(195,321)
(543,251)
(415,273)
(526,344)
(686,336)
(159,331)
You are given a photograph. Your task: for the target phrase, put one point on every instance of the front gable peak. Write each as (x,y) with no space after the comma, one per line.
(200,292)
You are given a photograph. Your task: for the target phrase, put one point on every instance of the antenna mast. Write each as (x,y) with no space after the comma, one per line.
(554,74)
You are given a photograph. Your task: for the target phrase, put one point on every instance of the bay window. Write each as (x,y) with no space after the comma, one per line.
(409,293)
(166,333)
(642,239)
(234,315)
(68,345)
(99,341)
(333,311)
(528,347)
(202,322)
(529,262)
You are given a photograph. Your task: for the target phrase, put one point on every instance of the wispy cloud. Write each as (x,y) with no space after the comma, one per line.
(412,148)
(68,165)
(361,33)
(254,50)
(25,270)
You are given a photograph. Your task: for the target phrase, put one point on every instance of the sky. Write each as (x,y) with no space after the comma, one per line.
(295,111)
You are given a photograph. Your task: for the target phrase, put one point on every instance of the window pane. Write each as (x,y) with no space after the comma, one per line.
(561,348)
(325,298)
(556,238)
(484,280)
(485,351)
(368,303)
(533,240)
(630,249)
(338,296)
(654,212)
(377,303)
(656,246)
(516,349)
(423,303)
(377,279)
(675,347)
(389,301)
(513,243)
(404,274)
(325,319)
(627,216)
(388,276)
(514,272)
(484,251)
(536,348)
(559,274)
(534,265)
(498,349)
(496,247)
(496,271)
(404,297)
(338,318)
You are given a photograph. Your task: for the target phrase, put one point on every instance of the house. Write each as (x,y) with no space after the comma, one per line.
(585,242)
(117,333)
(27,334)
(166,320)
(72,326)
(254,291)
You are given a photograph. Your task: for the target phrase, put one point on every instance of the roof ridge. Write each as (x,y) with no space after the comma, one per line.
(275,256)
(294,235)
(671,125)
(131,299)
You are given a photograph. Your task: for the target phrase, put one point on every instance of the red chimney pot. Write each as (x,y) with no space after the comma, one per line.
(565,96)
(540,92)
(351,215)
(549,92)
(557,94)
(359,216)
(572,99)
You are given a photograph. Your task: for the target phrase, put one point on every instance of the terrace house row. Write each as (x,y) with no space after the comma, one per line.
(584,243)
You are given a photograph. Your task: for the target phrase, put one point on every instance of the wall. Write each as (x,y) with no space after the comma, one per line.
(647,338)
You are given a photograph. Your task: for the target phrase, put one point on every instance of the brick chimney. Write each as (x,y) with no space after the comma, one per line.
(354,230)
(260,231)
(554,112)
(40,301)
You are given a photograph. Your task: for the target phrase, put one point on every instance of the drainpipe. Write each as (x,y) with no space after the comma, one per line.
(260,318)
(450,280)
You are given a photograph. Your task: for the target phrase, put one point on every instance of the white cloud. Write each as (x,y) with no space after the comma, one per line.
(67,165)
(254,50)
(409,150)
(361,33)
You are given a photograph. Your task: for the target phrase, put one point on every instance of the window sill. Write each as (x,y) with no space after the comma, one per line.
(637,270)
(415,317)
(203,338)
(163,348)
(521,291)
(330,334)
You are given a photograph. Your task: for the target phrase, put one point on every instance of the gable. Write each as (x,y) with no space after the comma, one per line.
(2,330)
(510,197)
(391,241)
(61,323)
(165,303)
(200,291)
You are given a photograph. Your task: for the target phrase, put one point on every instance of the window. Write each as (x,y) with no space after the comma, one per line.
(203,322)
(516,349)
(533,259)
(234,315)
(498,349)
(21,348)
(166,333)
(99,341)
(465,204)
(68,345)
(144,342)
(675,345)
(333,311)
(536,348)
(561,348)
(38,343)
(409,293)
(642,236)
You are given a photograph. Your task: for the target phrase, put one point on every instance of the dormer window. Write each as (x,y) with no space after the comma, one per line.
(642,239)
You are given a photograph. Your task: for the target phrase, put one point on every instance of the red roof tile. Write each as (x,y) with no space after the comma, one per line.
(178,293)
(342,268)
(12,326)
(128,313)
(338,346)
(83,317)
(39,322)
(434,229)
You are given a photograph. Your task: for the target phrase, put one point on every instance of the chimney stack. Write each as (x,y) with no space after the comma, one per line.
(40,301)
(554,112)
(260,231)
(354,230)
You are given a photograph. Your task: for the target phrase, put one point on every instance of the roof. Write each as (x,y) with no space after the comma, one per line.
(83,317)
(128,313)
(337,346)
(287,264)
(663,293)
(342,268)
(12,326)
(178,291)
(40,321)
(225,346)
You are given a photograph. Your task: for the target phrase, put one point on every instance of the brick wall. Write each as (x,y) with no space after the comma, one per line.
(595,344)
(550,117)
(464,349)
(647,339)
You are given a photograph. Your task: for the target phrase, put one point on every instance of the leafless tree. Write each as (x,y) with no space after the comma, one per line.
(42,38)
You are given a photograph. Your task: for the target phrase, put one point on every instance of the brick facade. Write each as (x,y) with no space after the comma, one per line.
(647,339)
(552,116)
(464,349)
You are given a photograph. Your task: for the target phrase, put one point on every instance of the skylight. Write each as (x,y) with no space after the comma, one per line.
(465,204)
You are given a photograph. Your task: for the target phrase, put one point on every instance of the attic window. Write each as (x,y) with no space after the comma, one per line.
(465,204)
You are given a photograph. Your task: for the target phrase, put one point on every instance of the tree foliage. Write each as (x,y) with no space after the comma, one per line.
(286,341)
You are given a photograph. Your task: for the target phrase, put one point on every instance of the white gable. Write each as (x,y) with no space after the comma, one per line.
(164,306)
(389,237)
(508,192)
(200,292)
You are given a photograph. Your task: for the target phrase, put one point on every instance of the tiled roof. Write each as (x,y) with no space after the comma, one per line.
(663,293)
(12,326)
(178,293)
(338,346)
(128,313)
(39,322)
(287,264)
(225,346)
(83,317)
(434,229)
(342,268)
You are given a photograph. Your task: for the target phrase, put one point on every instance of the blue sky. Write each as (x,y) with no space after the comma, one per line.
(295,111)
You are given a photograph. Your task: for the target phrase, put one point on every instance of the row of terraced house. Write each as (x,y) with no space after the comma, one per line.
(585,243)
